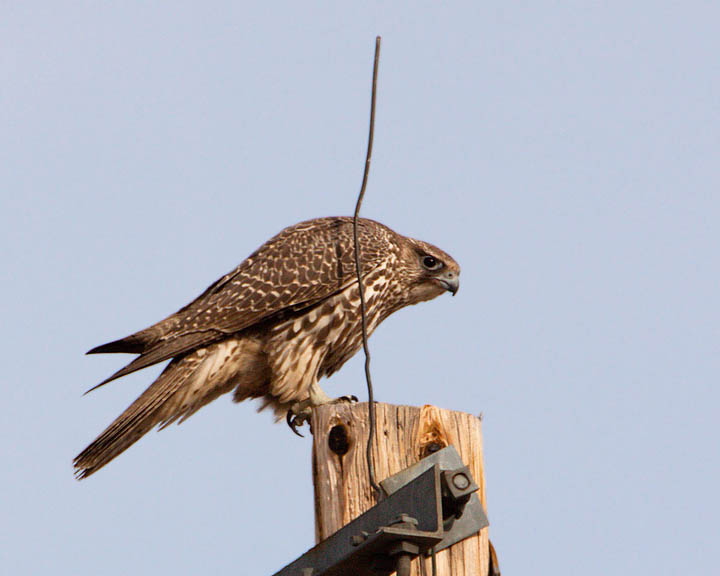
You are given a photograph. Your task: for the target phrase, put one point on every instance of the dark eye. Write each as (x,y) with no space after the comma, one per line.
(431,263)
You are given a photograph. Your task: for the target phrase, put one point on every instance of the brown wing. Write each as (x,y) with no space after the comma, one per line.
(299,267)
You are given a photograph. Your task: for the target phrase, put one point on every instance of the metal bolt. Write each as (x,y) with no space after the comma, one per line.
(404,519)
(403,564)
(358,539)
(461,481)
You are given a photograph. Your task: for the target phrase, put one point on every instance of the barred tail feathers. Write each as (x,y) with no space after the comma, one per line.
(186,384)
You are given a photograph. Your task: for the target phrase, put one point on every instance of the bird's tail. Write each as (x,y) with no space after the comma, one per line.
(186,384)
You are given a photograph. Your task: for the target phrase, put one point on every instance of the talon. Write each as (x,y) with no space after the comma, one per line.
(291,420)
(299,414)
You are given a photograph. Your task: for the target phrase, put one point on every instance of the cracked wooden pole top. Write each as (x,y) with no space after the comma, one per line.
(405,435)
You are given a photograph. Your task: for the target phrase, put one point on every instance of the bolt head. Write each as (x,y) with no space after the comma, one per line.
(461,481)
(358,539)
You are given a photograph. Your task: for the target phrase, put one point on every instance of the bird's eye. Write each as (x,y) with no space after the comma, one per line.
(431,263)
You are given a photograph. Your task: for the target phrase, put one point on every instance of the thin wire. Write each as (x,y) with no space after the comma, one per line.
(361,288)
(358,271)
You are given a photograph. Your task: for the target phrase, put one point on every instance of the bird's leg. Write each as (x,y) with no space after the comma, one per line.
(300,412)
(318,396)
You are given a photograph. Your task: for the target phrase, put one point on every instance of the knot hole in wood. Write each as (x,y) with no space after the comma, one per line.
(338,440)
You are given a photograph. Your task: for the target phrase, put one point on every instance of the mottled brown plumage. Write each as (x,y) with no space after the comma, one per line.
(271,328)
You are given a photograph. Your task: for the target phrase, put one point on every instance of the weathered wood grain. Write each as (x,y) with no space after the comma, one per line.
(405,434)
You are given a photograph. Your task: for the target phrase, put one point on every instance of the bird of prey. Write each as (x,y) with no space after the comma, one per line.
(272,327)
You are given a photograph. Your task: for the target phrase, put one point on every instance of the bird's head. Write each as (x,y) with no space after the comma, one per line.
(429,271)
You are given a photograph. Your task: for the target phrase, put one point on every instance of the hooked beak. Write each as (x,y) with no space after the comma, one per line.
(450,281)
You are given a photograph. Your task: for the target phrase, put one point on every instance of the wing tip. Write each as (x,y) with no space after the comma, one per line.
(129,345)
(122,372)
(95,387)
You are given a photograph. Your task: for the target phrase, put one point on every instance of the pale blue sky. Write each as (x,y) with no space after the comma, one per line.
(566,154)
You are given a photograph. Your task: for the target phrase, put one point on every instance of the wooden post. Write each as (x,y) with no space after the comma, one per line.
(405,434)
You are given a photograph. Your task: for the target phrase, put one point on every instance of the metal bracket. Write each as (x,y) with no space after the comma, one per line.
(472,517)
(430,504)
(364,546)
